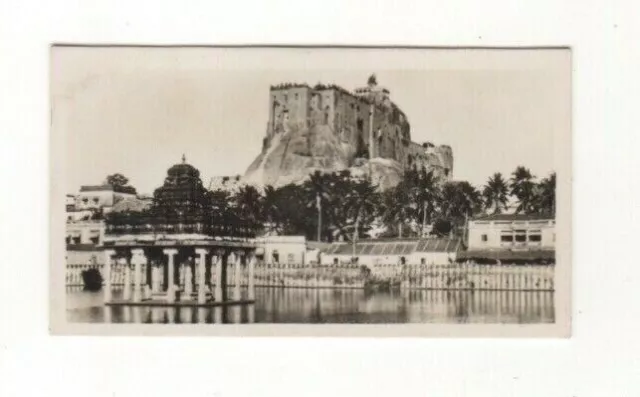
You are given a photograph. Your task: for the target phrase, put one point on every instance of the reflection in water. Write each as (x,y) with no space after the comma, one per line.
(301,305)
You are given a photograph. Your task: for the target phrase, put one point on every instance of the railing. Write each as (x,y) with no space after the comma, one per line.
(430,277)
(479,277)
(73,274)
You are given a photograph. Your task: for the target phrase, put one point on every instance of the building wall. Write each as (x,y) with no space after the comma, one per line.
(415,258)
(99,199)
(489,234)
(289,249)
(85,232)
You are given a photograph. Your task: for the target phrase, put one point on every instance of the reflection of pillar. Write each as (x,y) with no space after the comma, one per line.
(138,259)
(126,295)
(218,263)
(171,294)
(107,274)
(238,278)
(202,253)
(251,282)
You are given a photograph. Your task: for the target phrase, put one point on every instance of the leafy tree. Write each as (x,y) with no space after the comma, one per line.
(522,187)
(248,204)
(545,197)
(495,194)
(117,180)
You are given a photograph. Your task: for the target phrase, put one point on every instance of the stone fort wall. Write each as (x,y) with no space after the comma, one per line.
(351,116)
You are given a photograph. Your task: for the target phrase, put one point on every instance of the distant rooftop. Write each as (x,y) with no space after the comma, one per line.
(513,217)
(107,187)
(395,246)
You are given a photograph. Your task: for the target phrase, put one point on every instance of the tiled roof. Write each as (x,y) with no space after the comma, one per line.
(394,247)
(513,217)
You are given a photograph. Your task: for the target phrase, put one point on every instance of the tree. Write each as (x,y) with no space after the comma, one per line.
(317,189)
(117,180)
(522,187)
(426,194)
(248,204)
(458,202)
(495,194)
(396,207)
(361,205)
(545,197)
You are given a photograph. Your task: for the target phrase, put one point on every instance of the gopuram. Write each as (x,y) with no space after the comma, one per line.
(187,246)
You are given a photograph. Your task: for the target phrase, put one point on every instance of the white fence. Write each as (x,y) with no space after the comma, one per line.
(434,277)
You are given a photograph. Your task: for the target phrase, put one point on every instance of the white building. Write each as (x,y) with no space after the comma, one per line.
(511,237)
(102,197)
(282,249)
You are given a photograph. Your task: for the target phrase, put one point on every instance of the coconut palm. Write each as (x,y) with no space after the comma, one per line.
(495,194)
(545,200)
(248,204)
(522,188)
(361,204)
(396,207)
(426,194)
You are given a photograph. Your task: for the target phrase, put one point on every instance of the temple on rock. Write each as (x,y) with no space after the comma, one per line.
(328,128)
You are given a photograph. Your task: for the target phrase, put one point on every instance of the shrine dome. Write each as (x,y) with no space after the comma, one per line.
(183,169)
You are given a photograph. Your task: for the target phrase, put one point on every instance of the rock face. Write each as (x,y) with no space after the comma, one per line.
(329,129)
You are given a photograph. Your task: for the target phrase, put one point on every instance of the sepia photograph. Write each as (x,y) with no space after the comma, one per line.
(209,186)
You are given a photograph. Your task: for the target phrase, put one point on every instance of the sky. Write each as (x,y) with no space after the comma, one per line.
(137,110)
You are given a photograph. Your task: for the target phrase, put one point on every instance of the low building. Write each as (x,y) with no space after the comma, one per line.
(429,251)
(511,238)
(102,197)
(282,249)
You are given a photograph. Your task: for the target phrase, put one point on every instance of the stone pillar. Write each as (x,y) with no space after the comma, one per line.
(138,260)
(107,274)
(251,286)
(156,279)
(237,292)
(202,282)
(126,294)
(171,288)
(188,280)
(217,262)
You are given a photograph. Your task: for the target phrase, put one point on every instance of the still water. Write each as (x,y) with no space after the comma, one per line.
(300,305)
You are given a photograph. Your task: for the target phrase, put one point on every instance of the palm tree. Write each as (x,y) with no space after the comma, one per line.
(248,204)
(361,204)
(396,207)
(426,194)
(495,194)
(545,200)
(522,187)
(271,207)
(317,187)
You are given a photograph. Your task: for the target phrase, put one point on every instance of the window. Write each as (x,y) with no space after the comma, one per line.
(423,261)
(290,258)
(286,97)
(535,238)
(506,238)
(95,240)
(276,257)
(403,260)
(484,238)
(335,261)
(521,238)
(296,95)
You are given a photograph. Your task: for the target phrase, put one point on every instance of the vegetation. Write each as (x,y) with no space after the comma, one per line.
(338,206)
